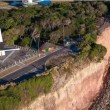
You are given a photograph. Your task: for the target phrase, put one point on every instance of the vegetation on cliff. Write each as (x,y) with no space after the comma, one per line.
(24,92)
(79,19)
(90,50)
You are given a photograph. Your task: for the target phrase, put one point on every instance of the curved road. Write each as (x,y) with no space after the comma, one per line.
(23,71)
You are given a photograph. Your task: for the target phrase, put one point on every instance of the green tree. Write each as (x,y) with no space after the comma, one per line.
(97,52)
(26,42)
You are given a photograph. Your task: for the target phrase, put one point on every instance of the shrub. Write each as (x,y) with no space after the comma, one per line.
(24,92)
(97,52)
(26,42)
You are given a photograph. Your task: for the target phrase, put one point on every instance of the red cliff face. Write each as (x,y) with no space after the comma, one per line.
(81,88)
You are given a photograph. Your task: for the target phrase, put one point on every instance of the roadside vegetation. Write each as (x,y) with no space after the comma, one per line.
(24,92)
(90,50)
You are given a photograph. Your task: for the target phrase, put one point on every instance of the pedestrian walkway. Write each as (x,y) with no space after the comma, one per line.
(17,66)
(10,70)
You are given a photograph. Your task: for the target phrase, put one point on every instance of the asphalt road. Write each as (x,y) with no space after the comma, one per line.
(23,71)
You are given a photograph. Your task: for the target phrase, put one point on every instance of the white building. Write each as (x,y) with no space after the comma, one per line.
(2,49)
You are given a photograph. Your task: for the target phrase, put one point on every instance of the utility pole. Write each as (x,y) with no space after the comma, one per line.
(63,34)
(38,45)
(45,68)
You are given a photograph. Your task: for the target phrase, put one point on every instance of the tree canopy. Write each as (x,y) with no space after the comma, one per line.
(79,18)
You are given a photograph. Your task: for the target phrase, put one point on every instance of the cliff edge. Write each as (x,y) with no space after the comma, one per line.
(78,91)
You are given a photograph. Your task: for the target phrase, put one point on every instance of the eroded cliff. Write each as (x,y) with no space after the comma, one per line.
(77,90)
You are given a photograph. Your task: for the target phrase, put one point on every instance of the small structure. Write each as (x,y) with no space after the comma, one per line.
(68,41)
(2,48)
(47,47)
